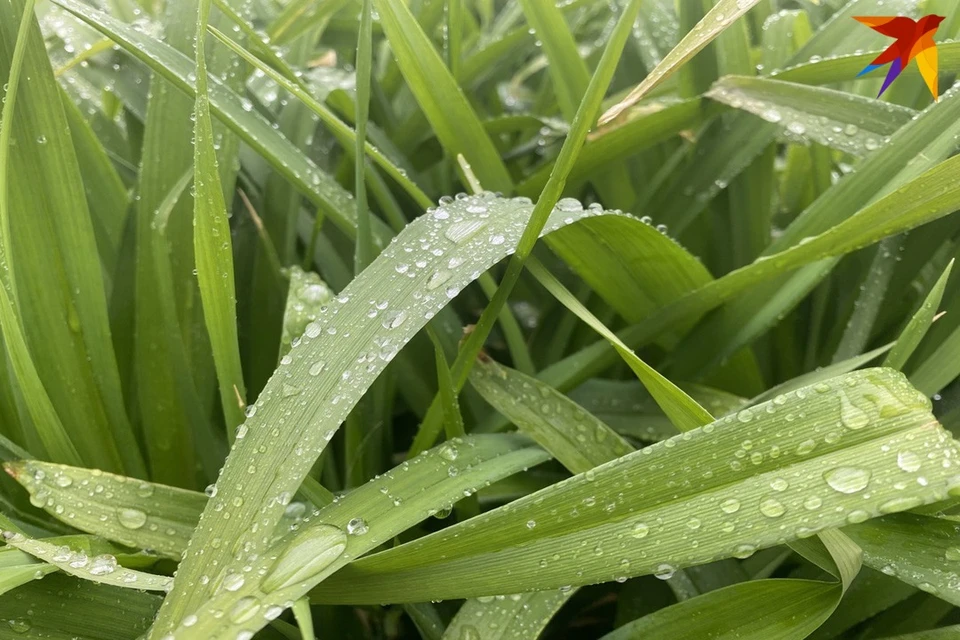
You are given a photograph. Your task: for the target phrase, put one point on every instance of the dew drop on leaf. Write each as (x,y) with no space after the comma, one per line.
(847,479)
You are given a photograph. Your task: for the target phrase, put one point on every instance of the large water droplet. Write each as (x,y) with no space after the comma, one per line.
(847,479)
(311,552)
(132,518)
(772,508)
(233,582)
(640,530)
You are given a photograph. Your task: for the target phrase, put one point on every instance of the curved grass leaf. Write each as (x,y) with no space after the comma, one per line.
(515,617)
(350,527)
(917,328)
(453,119)
(723,14)
(102,569)
(920,550)
(682,410)
(843,121)
(632,265)
(577,439)
(131,512)
(758,610)
(781,609)
(338,358)
(213,249)
(765,465)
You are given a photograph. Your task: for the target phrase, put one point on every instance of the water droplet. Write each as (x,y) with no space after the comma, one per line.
(908,461)
(744,551)
(953,554)
(357,527)
(102,565)
(779,484)
(857,516)
(806,447)
(900,504)
(640,530)
(531,524)
(311,552)
(438,278)
(394,319)
(852,416)
(233,582)
(317,368)
(19,625)
(449,452)
(730,505)
(665,571)
(812,503)
(772,508)
(847,479)
(132,518)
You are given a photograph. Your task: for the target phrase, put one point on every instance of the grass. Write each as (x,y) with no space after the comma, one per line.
(726,413)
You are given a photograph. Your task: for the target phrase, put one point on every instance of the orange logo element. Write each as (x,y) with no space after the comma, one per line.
(914,40)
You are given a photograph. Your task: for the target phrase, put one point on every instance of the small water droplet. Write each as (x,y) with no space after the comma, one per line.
(640,530)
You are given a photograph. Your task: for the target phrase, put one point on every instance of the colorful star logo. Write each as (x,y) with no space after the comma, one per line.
(914,40)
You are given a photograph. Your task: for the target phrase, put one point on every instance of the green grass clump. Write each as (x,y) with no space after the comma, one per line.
(476,320)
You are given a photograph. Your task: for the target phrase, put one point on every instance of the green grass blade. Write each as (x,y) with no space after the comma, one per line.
(826,471)
(631,264)
(843,121)
(213,248)
(521,616)
(720,17)
(130,512)
(866,306)
(101,569)
(917,328)
(453,119)
(912,548)
(364,252)
(573,436)
(777,610)
(359,522)
(49,429)
(682,410)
